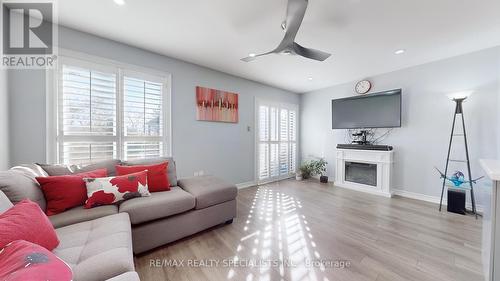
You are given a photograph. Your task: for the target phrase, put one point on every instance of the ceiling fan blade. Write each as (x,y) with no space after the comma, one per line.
(296,10)
(310,53)
(252,58)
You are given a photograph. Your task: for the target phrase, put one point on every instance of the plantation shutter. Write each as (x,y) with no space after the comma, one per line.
(106,112)
(277,147)
(87,115)
(142,118)
(263,142)
(292,129)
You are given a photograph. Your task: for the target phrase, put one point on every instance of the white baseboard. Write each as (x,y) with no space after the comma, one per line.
(417,196)
(246,184)
(428,198)
(254,183)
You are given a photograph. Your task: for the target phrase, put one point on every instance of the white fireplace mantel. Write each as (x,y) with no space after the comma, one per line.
(384,161)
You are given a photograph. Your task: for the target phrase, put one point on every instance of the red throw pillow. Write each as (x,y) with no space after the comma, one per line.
(26,221)
(22,260)
(66,192)
(157,175)
(106,191)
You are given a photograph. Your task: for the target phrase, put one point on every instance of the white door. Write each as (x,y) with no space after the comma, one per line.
(276,141)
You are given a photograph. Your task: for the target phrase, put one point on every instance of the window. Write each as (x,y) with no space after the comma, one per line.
(277,141)
(105,112)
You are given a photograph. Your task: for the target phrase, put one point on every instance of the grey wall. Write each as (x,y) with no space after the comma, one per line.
(4,121)
(422,141)
(222,149)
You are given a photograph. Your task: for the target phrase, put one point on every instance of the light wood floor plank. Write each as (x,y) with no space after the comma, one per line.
(382,239)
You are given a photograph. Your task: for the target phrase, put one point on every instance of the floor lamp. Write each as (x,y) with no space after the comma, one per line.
(459,98)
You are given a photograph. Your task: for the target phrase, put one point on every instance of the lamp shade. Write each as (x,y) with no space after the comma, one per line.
(459,95)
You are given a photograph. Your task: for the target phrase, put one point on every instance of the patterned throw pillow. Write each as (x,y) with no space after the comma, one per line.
(22,260)
(157,175)
(110,190)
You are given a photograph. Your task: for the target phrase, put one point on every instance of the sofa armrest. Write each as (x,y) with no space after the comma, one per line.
(208,190)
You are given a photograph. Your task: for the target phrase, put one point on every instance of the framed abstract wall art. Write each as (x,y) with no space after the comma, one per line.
(215,105)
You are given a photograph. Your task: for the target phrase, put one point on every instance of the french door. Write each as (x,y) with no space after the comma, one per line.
(276,141)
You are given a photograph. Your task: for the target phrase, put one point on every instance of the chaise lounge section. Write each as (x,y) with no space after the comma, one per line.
(99,243)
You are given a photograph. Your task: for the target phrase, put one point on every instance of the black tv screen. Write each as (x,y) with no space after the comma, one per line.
(378,110)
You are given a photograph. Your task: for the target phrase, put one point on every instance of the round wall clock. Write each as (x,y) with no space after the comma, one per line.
(363,87)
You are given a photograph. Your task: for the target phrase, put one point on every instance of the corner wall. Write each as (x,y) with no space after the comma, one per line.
(4,121)
(497,129)
(421,144)
(223,149)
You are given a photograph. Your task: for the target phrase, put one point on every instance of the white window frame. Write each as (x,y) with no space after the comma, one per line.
(121,69)
(279,105)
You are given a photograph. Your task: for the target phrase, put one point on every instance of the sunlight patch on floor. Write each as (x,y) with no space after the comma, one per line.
(284,227)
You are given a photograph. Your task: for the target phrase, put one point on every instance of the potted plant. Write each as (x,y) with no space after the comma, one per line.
(319,168)
(304,171)
(314,167)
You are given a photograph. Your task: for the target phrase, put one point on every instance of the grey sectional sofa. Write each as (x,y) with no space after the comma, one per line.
(99,243)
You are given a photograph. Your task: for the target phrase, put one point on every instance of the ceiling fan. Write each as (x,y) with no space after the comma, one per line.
(295,14)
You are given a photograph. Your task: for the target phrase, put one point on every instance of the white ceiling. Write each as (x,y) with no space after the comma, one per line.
(362,35)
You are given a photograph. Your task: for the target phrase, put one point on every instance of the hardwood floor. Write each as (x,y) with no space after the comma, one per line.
(321,232)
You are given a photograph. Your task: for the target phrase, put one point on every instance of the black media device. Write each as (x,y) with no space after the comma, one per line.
(365,147)
(456,201)
(378,110)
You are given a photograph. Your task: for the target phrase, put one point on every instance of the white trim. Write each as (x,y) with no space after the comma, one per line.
(105,65)
(246,184)
(429,198)
(51,107)
(363,188)
(80,56)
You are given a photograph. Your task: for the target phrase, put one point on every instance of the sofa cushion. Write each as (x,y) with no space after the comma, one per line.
(80,214)
(104,164)
(58,169)
(99,249)
(31,169)
(61,170)
(172,175)
(19,183)
(209,190)
(158,205)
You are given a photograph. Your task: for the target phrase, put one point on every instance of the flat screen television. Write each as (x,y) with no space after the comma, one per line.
(377,110)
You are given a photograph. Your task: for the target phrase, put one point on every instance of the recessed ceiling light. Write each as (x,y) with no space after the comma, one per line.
(119,2)
(252,55)
(309,78)
(399,52)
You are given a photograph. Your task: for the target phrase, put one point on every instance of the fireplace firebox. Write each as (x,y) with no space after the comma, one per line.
(362,173)
(365,170)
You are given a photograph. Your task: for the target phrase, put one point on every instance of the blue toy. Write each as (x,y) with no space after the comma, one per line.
(457,178)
